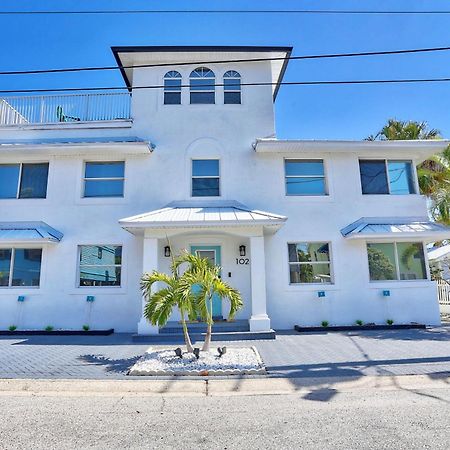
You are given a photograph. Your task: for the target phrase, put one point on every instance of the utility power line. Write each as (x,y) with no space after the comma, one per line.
(231,61)
(284,83)
(231,11)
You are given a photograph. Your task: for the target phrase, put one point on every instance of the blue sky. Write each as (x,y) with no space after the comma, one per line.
(308,112)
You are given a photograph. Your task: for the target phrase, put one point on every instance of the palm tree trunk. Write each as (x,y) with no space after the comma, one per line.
(207,342)
(187,338)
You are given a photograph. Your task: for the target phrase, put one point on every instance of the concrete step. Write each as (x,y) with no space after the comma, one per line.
(216,336)
(200,327)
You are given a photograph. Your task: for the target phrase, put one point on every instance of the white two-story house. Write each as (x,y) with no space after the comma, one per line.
(97,188)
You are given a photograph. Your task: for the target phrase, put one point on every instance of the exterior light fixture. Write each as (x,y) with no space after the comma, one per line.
(321,294)
(386,293)
(166,251)
(242,250)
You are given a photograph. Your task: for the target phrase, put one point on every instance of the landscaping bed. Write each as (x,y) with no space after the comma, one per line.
(57,332)
(366,327)
(236,361)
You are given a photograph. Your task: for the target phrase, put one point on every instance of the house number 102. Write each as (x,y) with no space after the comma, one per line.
(242,261)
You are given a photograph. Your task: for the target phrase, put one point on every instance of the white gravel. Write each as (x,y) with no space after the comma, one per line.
(236,361)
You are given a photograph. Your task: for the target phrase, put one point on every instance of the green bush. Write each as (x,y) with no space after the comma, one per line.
(359,322)
(86,327)
(324,323)
(12,328)
(389,321)
(48,328)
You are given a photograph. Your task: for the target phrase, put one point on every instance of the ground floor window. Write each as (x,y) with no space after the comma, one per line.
(309,262)
(396,261)
(100,265)
(20,267)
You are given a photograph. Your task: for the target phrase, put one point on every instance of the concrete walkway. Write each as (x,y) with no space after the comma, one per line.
(292,355)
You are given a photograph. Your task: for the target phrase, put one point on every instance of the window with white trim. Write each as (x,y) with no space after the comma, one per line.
(172,88)
(380,176)
(202,86)
(305,177)
(396,261)
(309,262)
(20,267)
(205,178)
(100,265)
(104,179)
(23,180)
(232,88)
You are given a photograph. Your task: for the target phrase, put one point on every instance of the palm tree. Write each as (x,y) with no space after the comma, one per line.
(176,293)
(434,173)
(206,277)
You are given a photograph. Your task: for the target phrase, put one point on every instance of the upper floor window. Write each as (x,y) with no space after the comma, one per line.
(232,88)
(27,180)
(172,88)
(202,85)
(100,265)
(380,176)
(20,267)
(396,261)
(205,178)
(309,262)
(305,177)
(104,179)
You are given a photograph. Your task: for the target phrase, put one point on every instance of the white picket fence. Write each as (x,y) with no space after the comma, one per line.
(43,109)
(443,292)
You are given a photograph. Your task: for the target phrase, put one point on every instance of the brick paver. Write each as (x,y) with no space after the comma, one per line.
(291,354)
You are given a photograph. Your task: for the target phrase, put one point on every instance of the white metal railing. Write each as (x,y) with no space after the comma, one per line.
(43,109)
(443,292)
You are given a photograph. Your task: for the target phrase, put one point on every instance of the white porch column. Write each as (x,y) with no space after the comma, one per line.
(259,320)
(149,263)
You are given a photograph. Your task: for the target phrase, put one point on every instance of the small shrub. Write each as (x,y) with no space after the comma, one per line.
(389,321)
(359,322)
(324,323)
(12,328)
(86,327)
(48,328)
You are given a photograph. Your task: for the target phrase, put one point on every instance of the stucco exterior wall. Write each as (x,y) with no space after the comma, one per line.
(226,132)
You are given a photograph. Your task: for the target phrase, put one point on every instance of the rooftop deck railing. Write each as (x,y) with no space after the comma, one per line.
(49,109)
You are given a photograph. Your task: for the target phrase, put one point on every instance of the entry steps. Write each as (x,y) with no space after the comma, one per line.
(237,330)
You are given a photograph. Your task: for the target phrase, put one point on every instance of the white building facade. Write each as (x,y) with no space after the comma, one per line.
(95,187)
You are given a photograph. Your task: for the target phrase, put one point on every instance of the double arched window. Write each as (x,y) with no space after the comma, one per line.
(231,88)
(172,88)
(201,83)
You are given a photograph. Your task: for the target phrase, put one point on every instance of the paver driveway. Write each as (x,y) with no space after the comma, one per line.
(291,354)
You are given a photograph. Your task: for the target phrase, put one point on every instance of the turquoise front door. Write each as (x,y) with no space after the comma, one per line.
(212,252)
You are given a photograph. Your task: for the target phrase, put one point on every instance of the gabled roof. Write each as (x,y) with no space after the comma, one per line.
(126,56)
(28,232)
(205,214)
(395,228)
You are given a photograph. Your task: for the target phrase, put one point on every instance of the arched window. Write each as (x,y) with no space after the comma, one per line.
(232,88)
(202,82)
(172,88)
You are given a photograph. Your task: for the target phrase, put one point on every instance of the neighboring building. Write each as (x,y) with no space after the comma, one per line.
(93,186)
(439,258)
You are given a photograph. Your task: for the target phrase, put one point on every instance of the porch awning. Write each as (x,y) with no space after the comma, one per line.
(28,232)
(205,214)
(396,228)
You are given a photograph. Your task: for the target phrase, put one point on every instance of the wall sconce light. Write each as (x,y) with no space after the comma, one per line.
(386,293)
(21,298)
(90,298)
(242,250)
(166,251)
(321,294)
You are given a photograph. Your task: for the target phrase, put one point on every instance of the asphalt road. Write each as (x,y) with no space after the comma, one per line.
(326,416)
